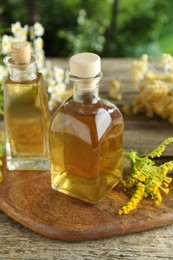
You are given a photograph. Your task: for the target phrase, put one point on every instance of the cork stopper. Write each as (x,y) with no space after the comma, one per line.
(21,52)
(85,65)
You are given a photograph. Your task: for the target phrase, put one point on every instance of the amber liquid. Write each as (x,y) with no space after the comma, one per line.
(27,119)
(86,146)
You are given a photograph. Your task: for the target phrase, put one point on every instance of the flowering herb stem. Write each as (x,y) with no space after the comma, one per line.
(147,178)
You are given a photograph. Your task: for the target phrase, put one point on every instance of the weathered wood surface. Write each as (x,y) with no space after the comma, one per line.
(28,198)
(142,134)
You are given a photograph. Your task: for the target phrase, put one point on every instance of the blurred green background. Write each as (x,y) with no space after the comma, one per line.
(111,28)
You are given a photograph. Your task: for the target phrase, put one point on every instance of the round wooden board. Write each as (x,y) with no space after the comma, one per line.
(28,198)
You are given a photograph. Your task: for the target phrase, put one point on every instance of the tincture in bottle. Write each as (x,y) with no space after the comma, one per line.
(86,136)
(25,111)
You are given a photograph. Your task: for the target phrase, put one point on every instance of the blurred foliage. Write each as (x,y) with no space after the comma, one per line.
(87,31)
(108,27)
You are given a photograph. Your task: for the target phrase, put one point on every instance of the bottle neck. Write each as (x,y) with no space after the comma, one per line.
(85,96)
(21,72)
(85,89)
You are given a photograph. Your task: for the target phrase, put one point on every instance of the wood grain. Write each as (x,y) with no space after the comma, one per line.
(28,198)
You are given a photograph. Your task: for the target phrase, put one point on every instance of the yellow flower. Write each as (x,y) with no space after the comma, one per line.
(23,33)
(51,86)
(165,190)
(58,74)
(38,43)
(6,44)
(16,28)
(134,201)
(148,178)
(38,29)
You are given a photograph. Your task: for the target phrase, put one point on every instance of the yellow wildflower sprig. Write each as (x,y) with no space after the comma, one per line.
(148,179)
(159,150)
(135,199)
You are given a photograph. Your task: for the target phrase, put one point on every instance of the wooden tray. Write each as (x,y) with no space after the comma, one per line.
(28,198)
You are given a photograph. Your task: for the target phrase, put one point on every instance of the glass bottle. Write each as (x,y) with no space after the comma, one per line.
(86,136)
(26,112)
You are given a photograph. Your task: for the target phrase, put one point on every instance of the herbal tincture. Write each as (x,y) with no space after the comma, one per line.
(25,111)
(86,136)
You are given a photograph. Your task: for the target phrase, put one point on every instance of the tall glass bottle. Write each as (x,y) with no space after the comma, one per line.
(25,111)
(86,136)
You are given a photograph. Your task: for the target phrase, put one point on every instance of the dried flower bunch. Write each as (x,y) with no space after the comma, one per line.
(139,68)
(155,95)
(114,90)
(55,77)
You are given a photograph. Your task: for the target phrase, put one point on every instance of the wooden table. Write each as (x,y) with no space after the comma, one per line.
(141,134)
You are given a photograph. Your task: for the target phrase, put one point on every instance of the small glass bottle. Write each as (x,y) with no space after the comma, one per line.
(86,136)
(26,112)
